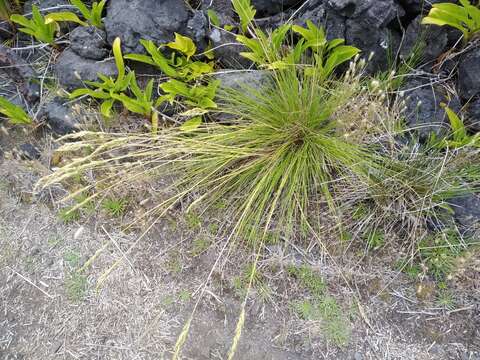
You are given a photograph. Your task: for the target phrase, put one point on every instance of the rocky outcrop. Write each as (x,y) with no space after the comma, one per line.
(132,20)
(72,70)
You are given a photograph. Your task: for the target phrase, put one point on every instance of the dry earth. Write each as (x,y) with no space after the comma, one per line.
(54,305)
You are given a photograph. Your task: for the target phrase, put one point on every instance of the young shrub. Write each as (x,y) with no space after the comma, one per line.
(464,17)
(108,90)
(38,26)
(93,15)
(184,73)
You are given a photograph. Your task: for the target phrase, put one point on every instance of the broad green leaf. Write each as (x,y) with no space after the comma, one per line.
(458,128)
(131,104)
(15,113)
(106,108)
(212,15)
(183,44)
(81,7)
(140,58)
(173,86)
(117,53)
(338,56)
(191,124)
(63,16)
(19,19)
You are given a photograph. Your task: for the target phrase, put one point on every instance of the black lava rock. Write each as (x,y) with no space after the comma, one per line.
(197,28)
(6,31)
(466,210)
(469,74)
(132,20)
(227,50)
(89,42)
(28,152)
(423,111)
(244,79)
(60,118)
(72,69)
(20,72)
(272,7)
(322,15)
(472,119)
(432,40)
(415,7)
(378,13)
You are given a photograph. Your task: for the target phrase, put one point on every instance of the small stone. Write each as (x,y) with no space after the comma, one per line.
(89,42)
(469,74)
(72,70)
(60,118)
(29,152)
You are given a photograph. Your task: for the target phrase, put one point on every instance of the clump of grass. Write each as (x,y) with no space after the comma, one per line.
(321,307)
(76,287)
(199,246)
(115,207)
(278,153)
(411,193)
(69,214)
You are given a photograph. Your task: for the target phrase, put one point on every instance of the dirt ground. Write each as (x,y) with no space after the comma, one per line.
(58,299)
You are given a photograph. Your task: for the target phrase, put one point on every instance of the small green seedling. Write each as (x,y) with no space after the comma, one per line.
(14,113)
(199,246)
(115,207)
(39,27)
(309,279)
(439,252)
(76,287)
(464,17)
(459,136)
(72,258)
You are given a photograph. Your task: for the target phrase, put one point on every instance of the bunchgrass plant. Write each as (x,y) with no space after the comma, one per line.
(304,144)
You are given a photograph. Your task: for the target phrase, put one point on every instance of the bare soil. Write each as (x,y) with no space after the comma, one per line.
(54,303)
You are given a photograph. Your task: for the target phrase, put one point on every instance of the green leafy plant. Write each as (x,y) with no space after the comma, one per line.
(268,50)
(439,252)
(110,89)
(76,287)
(69,214)
(93,15)
(182,71)
(38,26)
(14,113)
(464,17)
(141,102)
(198,96)
(459,136)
